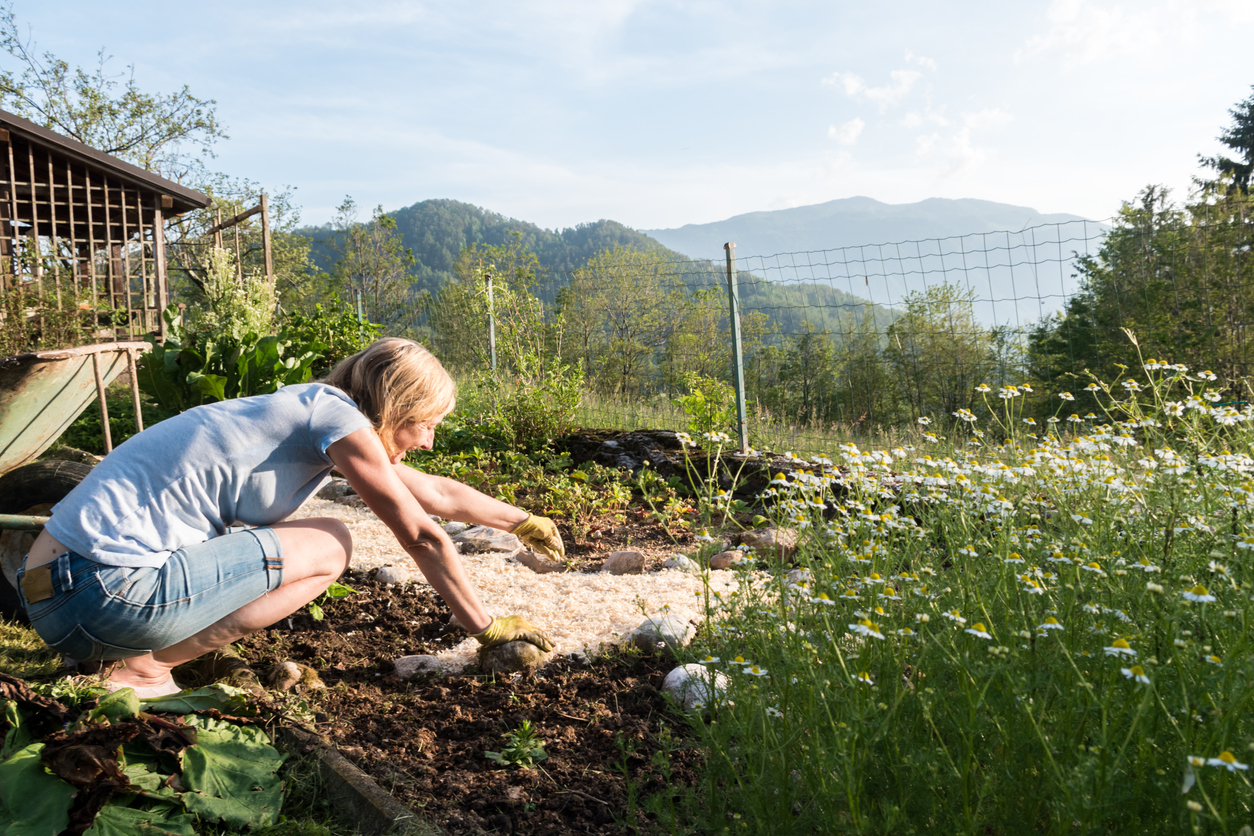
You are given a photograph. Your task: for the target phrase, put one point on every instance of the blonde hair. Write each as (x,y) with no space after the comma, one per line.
(395,382)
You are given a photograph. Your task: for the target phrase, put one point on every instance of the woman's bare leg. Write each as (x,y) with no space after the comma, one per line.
(316,551)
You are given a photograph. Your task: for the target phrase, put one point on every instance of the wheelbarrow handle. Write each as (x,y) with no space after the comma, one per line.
(21,522)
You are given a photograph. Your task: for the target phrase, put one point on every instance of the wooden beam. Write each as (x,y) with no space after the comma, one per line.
(242,216)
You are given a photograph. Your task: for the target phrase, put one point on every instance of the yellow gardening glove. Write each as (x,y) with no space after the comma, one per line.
(512,628)
(540,534)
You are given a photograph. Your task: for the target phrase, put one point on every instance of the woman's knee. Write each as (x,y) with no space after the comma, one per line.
(323,545)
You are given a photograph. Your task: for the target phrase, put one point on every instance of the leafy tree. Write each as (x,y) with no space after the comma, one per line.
(937,351)
(374,262)
(170,134)
(1239,137)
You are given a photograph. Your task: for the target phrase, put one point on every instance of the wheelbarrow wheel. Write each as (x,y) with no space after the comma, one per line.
(30,489)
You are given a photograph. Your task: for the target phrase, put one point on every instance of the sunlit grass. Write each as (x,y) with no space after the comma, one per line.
(1048,634)
(23,654)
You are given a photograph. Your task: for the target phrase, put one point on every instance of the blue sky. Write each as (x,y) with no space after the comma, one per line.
(658,114)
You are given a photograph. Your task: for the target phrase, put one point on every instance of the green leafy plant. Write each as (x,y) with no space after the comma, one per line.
(523,748)
(335,327)
(191,368)
(334,592)
(710,404)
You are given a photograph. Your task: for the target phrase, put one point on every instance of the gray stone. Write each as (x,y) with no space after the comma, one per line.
(335,489)
(539,563)
(663,633)
(694,687)
(683,563)
(624,563)
(418,667)
(453,528)
(479,538)
(351,500)
(771,542)
(513,657)
(725,560)
(394,575)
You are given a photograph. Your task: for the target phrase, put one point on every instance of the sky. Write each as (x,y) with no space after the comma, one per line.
(659,114)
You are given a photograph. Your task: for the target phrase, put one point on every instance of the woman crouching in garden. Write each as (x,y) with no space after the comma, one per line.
(145,561)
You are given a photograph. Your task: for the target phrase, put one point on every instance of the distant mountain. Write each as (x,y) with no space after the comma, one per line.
(438,230)
(1017,261)
(851,221)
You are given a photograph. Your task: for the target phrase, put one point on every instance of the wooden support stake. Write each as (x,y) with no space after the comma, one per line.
(265,239)
(130,365)
(104,406)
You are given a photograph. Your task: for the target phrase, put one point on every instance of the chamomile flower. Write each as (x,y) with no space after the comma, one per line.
(709,660)
(1137,673)
(1050,623)
(1214,660)
(864,678)
(1228,761)
(1066,396)
(954,615)
(866,627)
(979,631)
(1198,593)
(1120,647)
(754,670)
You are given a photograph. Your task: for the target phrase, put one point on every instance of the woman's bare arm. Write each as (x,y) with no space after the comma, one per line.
(361,458)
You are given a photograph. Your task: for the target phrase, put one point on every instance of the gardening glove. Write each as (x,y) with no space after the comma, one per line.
(540,535)
(511,629)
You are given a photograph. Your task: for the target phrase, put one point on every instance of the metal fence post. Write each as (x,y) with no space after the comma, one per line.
(491,325)
(738,360)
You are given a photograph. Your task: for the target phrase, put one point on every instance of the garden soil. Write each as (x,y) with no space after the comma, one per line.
(601,715)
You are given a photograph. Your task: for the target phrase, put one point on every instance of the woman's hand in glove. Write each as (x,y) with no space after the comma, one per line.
(540,534)
(512,628)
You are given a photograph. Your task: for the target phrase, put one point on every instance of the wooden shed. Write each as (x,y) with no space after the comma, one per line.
(82,232)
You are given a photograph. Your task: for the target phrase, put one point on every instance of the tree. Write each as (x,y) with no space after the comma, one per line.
(169,134)
(1239,136)
(374,262)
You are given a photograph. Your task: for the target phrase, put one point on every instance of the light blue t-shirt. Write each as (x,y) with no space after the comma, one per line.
(250,461)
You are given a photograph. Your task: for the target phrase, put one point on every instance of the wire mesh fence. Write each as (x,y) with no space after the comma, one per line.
(874,338)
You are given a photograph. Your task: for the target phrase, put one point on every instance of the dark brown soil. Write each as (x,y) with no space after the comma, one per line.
(601,723)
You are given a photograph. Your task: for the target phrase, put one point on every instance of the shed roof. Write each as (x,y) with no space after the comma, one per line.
(183,199)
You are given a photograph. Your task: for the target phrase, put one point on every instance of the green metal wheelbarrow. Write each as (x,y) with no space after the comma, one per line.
(41,394)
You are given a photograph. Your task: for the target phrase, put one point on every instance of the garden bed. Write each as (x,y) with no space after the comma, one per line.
(601,721)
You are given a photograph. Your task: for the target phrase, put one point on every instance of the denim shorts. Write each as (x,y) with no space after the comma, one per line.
(101,613)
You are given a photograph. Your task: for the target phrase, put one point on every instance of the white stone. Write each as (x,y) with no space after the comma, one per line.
(539,563)
(480,538)
(768,542)
(394,575)
(335,489)
(663,633)
(418,667)
(694,687)
(683,563)
(452,528)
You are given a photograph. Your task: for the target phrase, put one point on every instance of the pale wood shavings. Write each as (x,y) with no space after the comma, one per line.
(580,611)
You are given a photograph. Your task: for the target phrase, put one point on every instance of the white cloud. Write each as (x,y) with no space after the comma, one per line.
(989,117)
(848,133)
(1089,31)
(911,58)
(901,83)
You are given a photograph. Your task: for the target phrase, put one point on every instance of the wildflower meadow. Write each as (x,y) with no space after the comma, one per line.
(1006,628)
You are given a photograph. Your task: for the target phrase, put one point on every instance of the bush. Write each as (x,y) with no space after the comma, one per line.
(335,328)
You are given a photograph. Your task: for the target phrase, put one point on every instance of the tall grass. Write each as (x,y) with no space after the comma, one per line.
(1048,634)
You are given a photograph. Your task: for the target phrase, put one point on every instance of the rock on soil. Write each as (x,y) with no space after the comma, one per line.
(694,687)
(394,575)
(478,539)
(683,563)
(513,657)
(768,542)
(725,560)
(624,563)
(664,633)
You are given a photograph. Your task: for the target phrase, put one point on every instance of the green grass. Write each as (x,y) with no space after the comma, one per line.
(1046,635)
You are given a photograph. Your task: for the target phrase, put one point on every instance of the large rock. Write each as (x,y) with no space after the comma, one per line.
(694,687)
(480,538)
(418,667)
(294,676)
(771,542)
(725,560)
(454,528)
(539,563)
(624,563)
(513,657)
(663,633)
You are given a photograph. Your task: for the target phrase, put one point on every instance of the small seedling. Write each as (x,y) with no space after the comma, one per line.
(523,748)
(334,591)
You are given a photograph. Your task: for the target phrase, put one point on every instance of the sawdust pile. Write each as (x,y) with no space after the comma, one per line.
(579,610)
